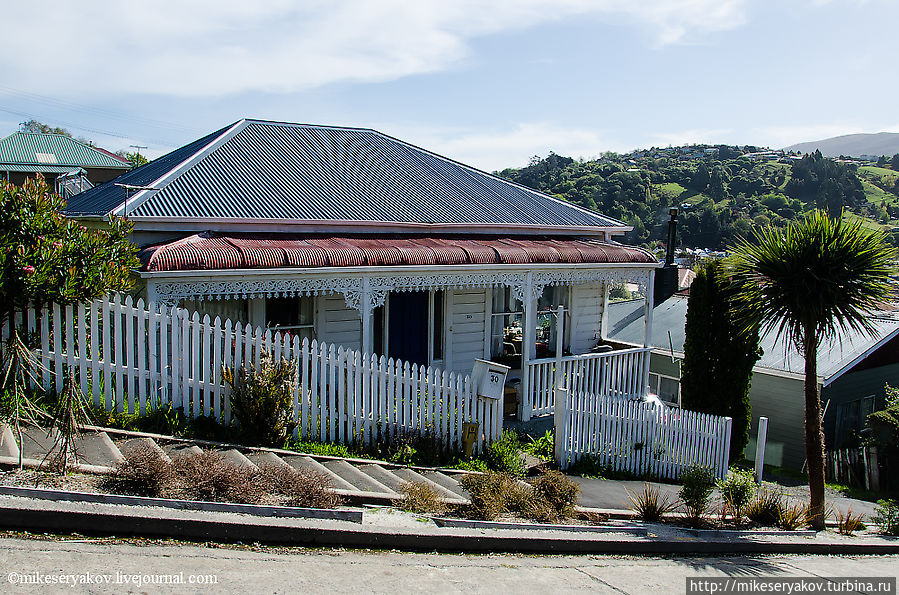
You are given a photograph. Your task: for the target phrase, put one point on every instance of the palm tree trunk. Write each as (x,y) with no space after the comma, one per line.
(814,435)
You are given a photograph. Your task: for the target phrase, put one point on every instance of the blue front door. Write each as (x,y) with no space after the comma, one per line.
(408,326)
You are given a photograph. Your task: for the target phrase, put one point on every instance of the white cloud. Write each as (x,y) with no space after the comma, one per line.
(492,150)
(219,47)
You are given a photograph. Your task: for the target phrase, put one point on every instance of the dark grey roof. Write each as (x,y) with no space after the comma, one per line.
(106,197)
(626,325)
(259,170)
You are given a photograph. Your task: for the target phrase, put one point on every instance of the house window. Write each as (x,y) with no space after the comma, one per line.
(506,327)
(551,298)
(666,387)
(292,315)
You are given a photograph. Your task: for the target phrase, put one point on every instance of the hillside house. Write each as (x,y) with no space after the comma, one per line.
(355,238)
(69,166)
(851,376)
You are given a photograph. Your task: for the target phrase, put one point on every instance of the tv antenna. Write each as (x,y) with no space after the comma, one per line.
(129,188)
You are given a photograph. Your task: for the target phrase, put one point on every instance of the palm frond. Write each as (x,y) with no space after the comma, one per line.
(821,273)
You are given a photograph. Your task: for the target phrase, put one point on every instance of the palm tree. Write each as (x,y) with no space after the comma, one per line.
(811,282)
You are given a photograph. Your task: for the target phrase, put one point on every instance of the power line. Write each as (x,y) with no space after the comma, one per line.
(65,124)
(77,107)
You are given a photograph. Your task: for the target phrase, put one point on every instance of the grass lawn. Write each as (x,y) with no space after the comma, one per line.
(671,190)
(878,171)
(876,196)
(867,223)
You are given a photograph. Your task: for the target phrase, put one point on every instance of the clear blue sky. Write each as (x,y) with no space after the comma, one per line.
(490,83)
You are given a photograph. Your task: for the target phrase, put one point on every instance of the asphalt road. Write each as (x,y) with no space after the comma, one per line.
(110,566)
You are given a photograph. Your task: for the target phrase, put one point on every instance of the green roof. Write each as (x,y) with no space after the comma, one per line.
(54,150)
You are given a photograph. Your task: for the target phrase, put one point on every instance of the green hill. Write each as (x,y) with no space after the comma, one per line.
(722,191)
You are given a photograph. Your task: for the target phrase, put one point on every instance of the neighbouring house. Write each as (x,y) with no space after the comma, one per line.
(852,372)
(355,238)
(68,165)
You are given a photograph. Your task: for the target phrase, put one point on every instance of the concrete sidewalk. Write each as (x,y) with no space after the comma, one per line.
(615,494)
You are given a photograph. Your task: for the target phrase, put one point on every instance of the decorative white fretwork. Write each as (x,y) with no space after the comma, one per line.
(364,298)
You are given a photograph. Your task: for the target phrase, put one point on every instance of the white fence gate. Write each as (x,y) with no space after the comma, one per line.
(133,358)
(639,437)
(616,374)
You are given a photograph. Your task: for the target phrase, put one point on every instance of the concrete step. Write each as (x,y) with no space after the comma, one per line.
(383,476)
(359,480)
(264,458)
(309,464)
(126,447)
(8,445)
(429,478)
(181,449)
(36,443)
(448,483)
(411,475)
(237,458)
(96,448)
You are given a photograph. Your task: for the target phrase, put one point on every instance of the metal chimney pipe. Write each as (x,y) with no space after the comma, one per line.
(672,234)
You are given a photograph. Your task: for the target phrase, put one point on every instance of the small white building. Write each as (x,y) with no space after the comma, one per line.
(355,238)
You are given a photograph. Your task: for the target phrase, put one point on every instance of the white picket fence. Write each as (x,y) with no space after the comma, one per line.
(614,374)
(134,358)
(639,437)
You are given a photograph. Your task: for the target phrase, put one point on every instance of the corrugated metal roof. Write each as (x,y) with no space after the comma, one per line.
(106,197)
(670,316)
(278,171)
(43,169)
(246,251)
(53,149)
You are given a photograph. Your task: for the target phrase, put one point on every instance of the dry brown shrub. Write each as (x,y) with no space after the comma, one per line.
(554,499)
(494,494)
(209,476)
(144,472)
(303,488)
(422,498)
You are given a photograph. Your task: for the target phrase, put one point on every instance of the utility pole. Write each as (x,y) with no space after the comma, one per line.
(138,147)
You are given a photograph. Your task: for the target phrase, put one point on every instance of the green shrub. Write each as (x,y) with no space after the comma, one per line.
(886,517)
(698,483)
(649,505)
(262,402)
(471,465)
(543,446)
(555,497)
(504,454)
(737,490)
(321,448)
(588,465)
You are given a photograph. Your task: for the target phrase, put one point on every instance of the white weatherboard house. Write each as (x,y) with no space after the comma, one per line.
(355,238)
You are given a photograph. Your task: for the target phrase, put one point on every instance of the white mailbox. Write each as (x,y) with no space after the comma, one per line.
(489,378)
